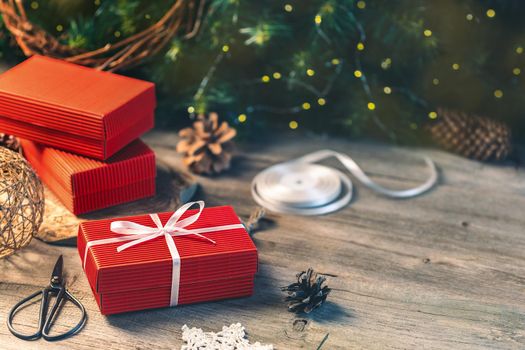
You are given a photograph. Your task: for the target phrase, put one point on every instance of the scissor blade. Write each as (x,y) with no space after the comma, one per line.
(57,270)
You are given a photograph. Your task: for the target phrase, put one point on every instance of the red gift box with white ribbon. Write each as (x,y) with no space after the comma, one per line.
(84,184)
(74,108)
(159,260)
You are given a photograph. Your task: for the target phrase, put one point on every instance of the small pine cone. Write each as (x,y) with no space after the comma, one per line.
(207,146)
(308,293)
(471,136)
(11,142)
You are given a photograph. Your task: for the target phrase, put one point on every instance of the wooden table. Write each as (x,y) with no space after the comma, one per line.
(442,271)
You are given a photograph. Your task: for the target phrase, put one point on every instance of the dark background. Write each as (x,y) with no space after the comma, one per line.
(410,47)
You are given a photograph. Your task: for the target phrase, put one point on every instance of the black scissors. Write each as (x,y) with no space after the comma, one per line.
(57,288)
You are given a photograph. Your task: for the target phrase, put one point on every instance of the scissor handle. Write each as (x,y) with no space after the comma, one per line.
(62,296)
(45,321)
(41,318)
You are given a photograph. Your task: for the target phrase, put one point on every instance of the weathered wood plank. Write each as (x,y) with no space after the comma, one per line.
(445,270)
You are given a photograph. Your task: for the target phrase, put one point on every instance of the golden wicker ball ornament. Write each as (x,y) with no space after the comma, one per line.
(21,202)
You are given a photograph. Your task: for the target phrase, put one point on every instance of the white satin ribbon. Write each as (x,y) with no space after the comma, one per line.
(137,234)
(301,187)
(356,170)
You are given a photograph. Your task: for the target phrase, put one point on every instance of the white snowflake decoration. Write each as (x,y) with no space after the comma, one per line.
(230,338)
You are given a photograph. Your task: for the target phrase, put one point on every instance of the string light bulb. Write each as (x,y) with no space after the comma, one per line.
(34,5)
(59,27)
(498,93)
(371,106)
(386,63)
(276,75)
(321,101)
(427,33)
(310,72)
(191,109)
(519,50)
(293,125)
(306,106)
(288,8)
(225,48)
(265,79)
(516,71)
(435,81)
(455,66)
(469,16)
(491,13)
(432,115)
(242,117)
(335,61)
(361,5)
(387,90)
(358,74)
(318,19)
(360,46)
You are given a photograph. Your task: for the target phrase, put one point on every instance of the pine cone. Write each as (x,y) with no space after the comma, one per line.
(472,136)
(308,293)
(207,146)
(11,142)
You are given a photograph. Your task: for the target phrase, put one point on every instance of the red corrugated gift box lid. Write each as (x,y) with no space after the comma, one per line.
(84,184)
(148,266)
(75,108)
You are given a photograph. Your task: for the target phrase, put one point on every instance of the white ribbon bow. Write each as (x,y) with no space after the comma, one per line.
(138,234)
(173,227)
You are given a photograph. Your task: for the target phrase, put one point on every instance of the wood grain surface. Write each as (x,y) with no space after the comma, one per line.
(442,271)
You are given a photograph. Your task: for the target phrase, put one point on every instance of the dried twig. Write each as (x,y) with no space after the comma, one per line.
(253,221)
(183,15)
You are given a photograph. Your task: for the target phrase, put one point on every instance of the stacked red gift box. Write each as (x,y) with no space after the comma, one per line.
(80,130)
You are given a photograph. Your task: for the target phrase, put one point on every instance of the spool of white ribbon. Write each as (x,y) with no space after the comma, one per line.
(137,234)
(303,188)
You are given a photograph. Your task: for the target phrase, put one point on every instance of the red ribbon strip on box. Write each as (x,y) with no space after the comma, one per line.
(138,234)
